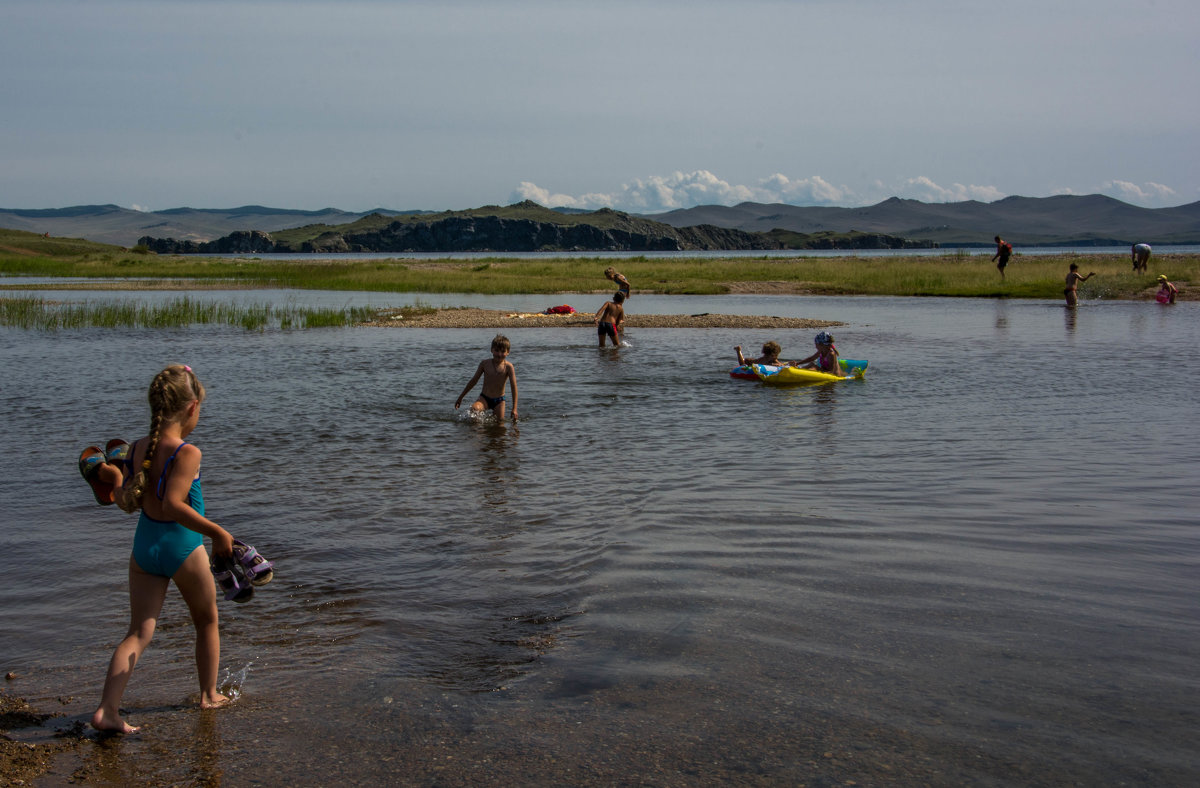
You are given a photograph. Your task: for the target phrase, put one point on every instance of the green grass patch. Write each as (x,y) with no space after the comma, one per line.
(945,273)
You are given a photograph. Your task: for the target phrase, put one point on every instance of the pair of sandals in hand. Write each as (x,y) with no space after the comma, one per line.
(236,576)
(91,466)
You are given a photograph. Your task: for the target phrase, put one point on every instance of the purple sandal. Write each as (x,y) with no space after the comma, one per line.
(231,579)
(257,569)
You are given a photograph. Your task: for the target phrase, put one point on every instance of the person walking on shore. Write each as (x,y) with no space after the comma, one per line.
(1003,252)
(169,543)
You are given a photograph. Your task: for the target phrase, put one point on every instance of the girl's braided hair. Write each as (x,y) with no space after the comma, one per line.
(170,393)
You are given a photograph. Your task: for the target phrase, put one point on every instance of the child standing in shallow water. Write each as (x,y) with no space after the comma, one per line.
(1166,291)
(609,319)
(169,543)
(495,371)
(1073,280)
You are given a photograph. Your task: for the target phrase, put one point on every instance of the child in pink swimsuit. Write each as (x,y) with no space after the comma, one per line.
(826,357)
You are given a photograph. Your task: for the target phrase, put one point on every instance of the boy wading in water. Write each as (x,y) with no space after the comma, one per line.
(495,371)
(609,318)
(1073,280)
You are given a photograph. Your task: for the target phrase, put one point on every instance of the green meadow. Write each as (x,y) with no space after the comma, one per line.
(940,273)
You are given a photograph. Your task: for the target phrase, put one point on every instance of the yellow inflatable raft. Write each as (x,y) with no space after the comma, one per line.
(795,376)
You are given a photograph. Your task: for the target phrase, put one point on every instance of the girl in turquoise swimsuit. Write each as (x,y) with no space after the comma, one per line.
(168,546)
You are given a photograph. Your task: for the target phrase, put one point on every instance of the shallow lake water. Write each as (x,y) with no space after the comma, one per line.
(978,565)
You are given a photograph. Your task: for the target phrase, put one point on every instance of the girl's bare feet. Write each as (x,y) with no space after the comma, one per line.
(103,721)
(215,701)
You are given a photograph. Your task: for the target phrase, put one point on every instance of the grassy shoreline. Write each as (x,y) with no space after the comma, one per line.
(949,273)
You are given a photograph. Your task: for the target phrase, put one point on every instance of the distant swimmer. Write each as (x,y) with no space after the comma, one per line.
(1073,280)
(1003,252)
(1140,254)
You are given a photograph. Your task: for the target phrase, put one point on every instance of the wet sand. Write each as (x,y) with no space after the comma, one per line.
(22,761)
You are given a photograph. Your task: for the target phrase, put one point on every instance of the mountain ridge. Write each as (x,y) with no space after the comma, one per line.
(1061,220)
(522,227)
(1053,221)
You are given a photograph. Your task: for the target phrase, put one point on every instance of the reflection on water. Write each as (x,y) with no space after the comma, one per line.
(957,570)
(1001,306)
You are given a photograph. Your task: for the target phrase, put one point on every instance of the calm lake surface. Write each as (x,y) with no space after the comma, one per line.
(979,565)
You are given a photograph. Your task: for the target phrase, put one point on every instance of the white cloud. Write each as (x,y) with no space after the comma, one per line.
(140,208)
(924,189)
(1148,194)
(686,190)
(658,193)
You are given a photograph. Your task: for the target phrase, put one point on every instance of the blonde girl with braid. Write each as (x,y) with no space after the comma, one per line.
(169,543)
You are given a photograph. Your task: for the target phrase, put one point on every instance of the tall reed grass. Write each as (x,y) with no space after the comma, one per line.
(40,314)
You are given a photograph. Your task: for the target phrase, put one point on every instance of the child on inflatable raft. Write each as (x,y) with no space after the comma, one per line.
(824,360)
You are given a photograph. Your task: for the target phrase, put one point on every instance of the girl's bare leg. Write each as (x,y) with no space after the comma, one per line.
(146,595)
(195,582)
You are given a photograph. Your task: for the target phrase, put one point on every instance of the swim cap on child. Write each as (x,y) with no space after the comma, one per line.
(824,339)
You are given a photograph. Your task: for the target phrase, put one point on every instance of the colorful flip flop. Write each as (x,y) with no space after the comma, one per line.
(231,579)
(256,568)
(116,451)
(90,460)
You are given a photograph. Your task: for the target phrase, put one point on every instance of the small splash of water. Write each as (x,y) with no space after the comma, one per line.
(477,416)
(234,681)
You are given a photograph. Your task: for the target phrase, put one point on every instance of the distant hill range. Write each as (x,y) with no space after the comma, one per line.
(1068,220)
(1025,221)
(522,227)
(112,224)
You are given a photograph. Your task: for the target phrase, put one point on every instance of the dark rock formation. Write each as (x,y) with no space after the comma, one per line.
(239,242)
(494,233)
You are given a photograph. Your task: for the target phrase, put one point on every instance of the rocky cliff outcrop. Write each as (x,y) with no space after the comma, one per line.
(239,242)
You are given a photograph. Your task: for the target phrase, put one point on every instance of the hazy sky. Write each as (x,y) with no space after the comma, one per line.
(643,106)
